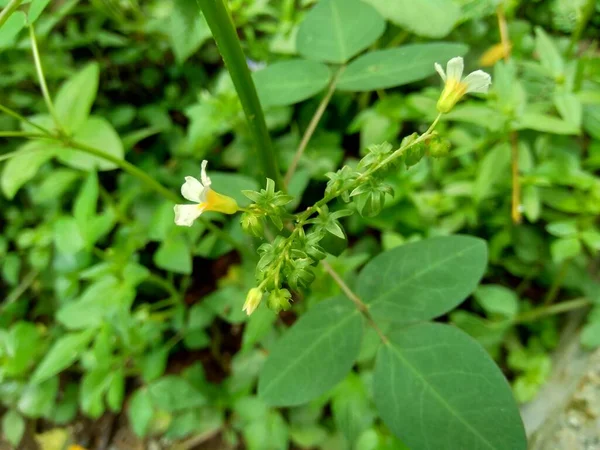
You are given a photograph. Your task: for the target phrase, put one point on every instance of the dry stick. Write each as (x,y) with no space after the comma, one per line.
(355,299)
(312,126)
(514,138)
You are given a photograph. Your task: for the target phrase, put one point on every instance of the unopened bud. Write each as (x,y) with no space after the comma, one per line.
(252,300)
(438,147)
(279,299)
(252,224)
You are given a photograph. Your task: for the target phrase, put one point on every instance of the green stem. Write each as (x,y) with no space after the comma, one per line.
(556,283)
(219,20)
(21,134)
(544,311)
(40,73)
(8,10)
(16,115)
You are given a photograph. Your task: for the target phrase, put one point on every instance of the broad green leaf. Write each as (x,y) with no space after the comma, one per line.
(67,236)
(11,28)
(37,400)
(381,69)
(498,300)
(430,18)
(55,185)
(436,388)
(21,347)
(545,123)
(422,280)
(314,355)
(98,133)
(494,166)
(288,82)
(174,255)
(36,8)
(140,411)
(173,393)
(188,29)
(76,96)
(13,427)
(24,166)
(336,30)
(64,352)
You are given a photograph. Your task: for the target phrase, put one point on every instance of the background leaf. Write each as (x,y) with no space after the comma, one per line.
(288,82)
(13,427)
(188,29)
(422,280)
(336,30)
(22,167)
(64,352)
(435,388)
(381,69)
(314,354)
(76,96)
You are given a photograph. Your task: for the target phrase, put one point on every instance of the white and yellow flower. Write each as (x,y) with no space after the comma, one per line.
(205,199)
(456,87)
(252,300)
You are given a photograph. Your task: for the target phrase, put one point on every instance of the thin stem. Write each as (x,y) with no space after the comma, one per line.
(21,134)
(556,283)
(514,137)
(8,10)
(543,311)
(312,126)
(19,117)
(219,20)
(42,79)
(362,307)
(21,288)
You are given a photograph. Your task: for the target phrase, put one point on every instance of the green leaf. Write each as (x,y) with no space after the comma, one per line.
(422,280)
(381,69)
(76,96)
(288,82)
(314,355)
(86,202)
(493,167)
(21,347)
(336,30)
(430,18)
(174,255)
(11,28)
(570,108)
(153,364)
(116,391)
(188,29)
(37,400)
(434,386)
(91,394)
(36,8)
(55,185)
(13,427)
(545,123)
(64,352)
(98,133)
(565,248)
(548,52)
(67,236)
(351,407)
(24,166)
(140,412)
(172,393)
(496,299)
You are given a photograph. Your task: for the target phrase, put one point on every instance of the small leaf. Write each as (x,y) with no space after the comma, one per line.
(422,280)
(95,132)
(351,407)
(493,168)
(11,28)
(24,166)
(496,299)
(381,69)
(174,255)
(288,82)
(116,391)
(13,427)
(188,29)
(67,235)
(37,400)
(172,393)
(435,377)
(140,412)
(36,8)
(548,53)
(76,96)
(565,248)
(336,30)
(545,123)
(64,352)
(429,18)
(314,355)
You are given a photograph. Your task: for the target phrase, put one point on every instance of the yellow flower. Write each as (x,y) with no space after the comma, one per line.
(456,87)
(252,300)
(205,198)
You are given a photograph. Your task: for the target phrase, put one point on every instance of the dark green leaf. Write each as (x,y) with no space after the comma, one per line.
(188,29)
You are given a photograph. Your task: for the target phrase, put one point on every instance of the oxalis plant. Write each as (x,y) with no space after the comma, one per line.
(434,386)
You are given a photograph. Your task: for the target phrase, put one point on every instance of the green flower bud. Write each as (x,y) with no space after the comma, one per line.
(279,299)
(438,147)
(252,224)
(414,154)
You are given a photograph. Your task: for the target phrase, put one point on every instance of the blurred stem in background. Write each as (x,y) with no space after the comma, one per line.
(219,20)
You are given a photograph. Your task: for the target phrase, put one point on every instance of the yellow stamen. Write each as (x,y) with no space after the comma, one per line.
(453,91)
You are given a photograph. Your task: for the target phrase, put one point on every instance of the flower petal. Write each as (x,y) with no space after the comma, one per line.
(478,81)
(454,69)
(205,179)
(193,190)
(440,70)
(186,214)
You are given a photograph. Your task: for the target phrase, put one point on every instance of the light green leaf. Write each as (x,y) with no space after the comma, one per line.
(570,108)
(565,248)
(532,203)
(67,237)
(153,364)
(430,18)
(24,166)
(548,52)
(98,133)
(188,29)
(545,123)
(422,280)
(497,299)
(351,407)
(435,387)
(13,427)
(116,391)
(37,400)
(140,412)
(64,352)
(336,30)
(172,393)
(493,168)
(381,69)
(314,355)
(55,185)
(11,28)
(76,96)
(174,255)
(91,393)
(86,201)
(288,82)
(36,8)
(21,347)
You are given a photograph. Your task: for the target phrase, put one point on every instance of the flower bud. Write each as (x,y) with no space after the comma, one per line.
(279,299)
(252,300)
(438,147)
(414,154)
(252,224)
